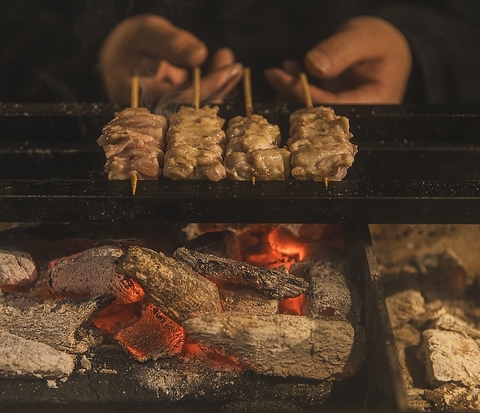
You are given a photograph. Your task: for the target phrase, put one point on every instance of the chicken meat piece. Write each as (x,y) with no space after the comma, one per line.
(320,145)
(134,143)
(253,152)
(195,145)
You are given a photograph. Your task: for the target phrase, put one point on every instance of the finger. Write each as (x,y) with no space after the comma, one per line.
(167,79)
(292,67)
(157,38)
(290,89)
(358,40)
(287,86)
(222,58)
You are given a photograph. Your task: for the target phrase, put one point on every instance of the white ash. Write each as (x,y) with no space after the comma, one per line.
(56,323)
(16,268)
(248,302)
(22,358)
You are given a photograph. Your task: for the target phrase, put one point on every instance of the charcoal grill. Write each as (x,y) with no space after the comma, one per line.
(416,164)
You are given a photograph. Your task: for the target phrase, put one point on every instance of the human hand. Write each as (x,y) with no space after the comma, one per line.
(162,55)
(366,61)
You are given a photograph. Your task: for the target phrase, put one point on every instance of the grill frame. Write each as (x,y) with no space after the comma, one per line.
(416,164)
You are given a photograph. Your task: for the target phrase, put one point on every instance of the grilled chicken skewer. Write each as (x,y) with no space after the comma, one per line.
(134,144)
(252,151)
(195,142)
(319,143)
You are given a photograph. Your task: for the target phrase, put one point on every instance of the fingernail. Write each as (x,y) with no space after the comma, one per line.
(319,60)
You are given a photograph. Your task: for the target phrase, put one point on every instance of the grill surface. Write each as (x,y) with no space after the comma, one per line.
(416,164)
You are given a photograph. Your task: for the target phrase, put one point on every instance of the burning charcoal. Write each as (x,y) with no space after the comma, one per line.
(153,337)
(20,357)
(284,345)
(56,323)
(172,286)
(17,269)
(223,244)
(331,292)
(450,357)
(443,276)
(248,302)
(91,273)
(276,284)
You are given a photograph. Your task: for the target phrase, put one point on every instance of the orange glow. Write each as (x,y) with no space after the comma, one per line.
(271,246)
(154,336)
(219,359)
(282,240)
(117,316)
(294,306)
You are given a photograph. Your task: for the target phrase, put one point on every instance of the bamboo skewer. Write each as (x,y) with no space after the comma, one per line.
(306,90)
(196,87)
(134,104)
(309,104)
(247,91)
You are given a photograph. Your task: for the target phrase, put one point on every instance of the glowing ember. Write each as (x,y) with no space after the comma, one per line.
(117,316)
(193,351)
(294,306)
(154,336)
(282,240)
(272,246)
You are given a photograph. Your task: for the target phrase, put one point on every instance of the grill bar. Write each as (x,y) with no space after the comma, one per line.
(291,202)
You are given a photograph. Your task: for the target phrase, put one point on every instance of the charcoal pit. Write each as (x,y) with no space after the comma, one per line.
(105,372)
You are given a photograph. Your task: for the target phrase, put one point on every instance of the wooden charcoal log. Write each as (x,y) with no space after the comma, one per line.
(276,284)
(284,345)
(92,273)
(16,269)
(56,323)
(248,302)
(331,291)
(176,289)
(20,357)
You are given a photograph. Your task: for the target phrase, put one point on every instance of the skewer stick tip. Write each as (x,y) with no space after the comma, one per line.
(306,90)
(254,180)
(133,181)
(134,92)
(325,181)
(196,87)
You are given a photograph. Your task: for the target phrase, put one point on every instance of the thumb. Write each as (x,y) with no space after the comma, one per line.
(354,42)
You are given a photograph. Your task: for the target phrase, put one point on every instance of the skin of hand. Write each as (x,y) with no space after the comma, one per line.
(162,55)
(367,60)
